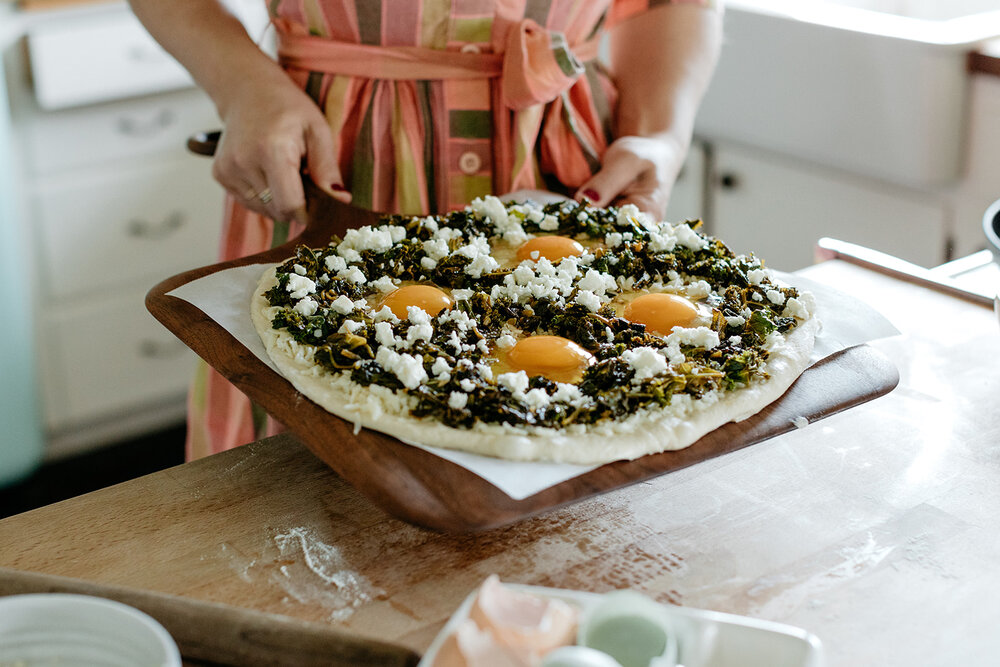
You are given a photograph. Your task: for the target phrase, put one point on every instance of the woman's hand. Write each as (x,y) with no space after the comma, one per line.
(271,131)
(661,60)
(635,170)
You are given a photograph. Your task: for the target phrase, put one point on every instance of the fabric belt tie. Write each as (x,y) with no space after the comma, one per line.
(536,66)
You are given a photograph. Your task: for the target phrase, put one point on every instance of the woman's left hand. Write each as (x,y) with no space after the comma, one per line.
(635,170)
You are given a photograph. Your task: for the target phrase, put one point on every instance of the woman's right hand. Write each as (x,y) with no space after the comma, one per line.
(272,130)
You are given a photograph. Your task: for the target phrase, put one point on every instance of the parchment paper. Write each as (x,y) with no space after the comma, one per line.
(225,297)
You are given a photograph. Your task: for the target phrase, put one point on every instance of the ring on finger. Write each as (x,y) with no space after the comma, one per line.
(265,196)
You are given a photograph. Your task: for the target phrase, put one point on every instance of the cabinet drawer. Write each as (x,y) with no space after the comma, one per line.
(117,229)
(99,58)
(778,208)
(109,132)
(106,358)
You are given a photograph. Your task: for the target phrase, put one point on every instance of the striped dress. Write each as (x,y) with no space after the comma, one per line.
(432,103)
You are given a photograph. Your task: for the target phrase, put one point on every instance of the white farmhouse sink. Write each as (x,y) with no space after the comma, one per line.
(877,87)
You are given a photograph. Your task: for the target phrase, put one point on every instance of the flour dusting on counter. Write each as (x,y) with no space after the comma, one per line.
(313,571)
(309,570)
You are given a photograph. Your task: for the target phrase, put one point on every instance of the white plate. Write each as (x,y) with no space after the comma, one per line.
(705,638)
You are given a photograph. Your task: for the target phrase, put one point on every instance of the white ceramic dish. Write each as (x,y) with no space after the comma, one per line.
(77,630)
(704,638)
(991,228)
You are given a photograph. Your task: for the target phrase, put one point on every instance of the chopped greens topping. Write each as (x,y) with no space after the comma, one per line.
(327,298)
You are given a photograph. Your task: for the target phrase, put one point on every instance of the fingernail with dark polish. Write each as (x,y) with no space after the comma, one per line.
(591,194)
(337,187)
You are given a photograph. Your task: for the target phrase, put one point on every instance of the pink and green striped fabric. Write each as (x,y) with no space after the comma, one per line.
(432,103)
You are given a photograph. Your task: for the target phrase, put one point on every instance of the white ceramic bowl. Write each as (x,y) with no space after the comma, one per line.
(991,228)
(77,630)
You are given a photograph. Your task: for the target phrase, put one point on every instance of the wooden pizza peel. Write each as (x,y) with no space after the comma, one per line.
(421,488)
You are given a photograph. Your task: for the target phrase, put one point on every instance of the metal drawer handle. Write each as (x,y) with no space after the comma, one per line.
(155,349)
(155,231)
(133,127)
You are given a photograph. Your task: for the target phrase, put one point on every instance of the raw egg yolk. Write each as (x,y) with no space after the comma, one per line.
(557,358)
(661,312)
(552,248)
(429,298)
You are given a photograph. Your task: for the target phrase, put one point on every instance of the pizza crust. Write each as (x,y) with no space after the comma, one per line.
(651,431)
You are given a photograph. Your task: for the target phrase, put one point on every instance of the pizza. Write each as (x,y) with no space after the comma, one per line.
(560,332)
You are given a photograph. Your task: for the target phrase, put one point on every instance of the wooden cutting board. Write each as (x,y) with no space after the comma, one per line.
(421,488)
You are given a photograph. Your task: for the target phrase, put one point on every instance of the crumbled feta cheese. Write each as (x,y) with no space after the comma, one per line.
(756,276)
(735,320)
(662,239)
(588,300)
(480,265)
(427,263)
(689,238)
(342,305)
(384,285)
(597,282)
(466,384)
(695,337)
(349,254)
(506,341)
(440,366)
(397,233)
(800,422)
(506,226)
(457,400)
(436,248)
(353,275)
(537,398)
(307,306)
(523,274)
(299,286)
(549,223)
(517,382)
(350,326)
(407,368)
(429,223)
(335,263)
(384,335)
(385,314)
(417,315)
(775,297)
(418,332)
(299,269)
(645,361)
(795,308)
(567,393)
(368,238)
(699,289)
(628,214)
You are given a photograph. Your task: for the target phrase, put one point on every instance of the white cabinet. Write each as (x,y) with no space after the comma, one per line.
(112,204)
(980,185)
(113,57)
(688,194)
(778,208)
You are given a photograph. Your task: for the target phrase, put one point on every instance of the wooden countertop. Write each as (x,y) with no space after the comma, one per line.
(874,528)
